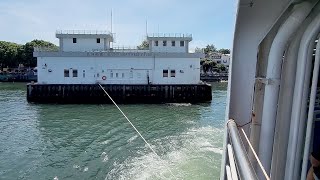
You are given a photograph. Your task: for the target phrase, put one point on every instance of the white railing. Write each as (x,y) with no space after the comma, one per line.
(179,35)
(82,32)
(45,49)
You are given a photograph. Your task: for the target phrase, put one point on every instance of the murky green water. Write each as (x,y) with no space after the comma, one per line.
(95,142)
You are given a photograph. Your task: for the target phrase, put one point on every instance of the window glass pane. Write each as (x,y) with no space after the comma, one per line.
(84,74)
(173,43)
(74,40)
(116,75)
(181,43)
(164,43)
(98,40)
(122,75)
(111,75)
(66,73)
(75,73)
(165,73)
(173,73)
(156,43)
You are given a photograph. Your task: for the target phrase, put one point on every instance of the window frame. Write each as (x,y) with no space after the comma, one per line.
(173,43)
(172,73)
(65,73)
(98,40)
(165,73)
(182,43)
(74,40)
(74,72)
(164,43)
(156,43)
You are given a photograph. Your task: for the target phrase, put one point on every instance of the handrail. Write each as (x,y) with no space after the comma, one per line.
(244,166)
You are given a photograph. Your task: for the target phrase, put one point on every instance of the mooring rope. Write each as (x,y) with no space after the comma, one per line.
(135,128)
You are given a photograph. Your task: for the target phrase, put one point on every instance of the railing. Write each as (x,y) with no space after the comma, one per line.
(237,165)
(179,35)
(45,49)
(82,32)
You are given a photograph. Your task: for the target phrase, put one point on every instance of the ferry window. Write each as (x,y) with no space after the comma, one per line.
(111,75)
(156,43)
(74,40)
(84,74)
(173,73)
(164,43)
(181,43)
(66,73)
(173,43)
(75,73)
(116,75)
(98,40)
(165,73)
(122,75)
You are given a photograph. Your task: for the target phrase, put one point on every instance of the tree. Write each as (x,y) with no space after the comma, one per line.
(208,65)
(221,67)
(209,49)
(29,48)
(224,51)
(143,45)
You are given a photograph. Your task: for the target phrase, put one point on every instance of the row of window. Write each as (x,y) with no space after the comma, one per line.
(164,43)
(74,73)
(165,73)
(74,40)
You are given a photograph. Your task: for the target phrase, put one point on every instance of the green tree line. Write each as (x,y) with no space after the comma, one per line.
(12,54)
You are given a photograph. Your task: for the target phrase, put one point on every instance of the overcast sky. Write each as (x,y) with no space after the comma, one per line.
(209,21)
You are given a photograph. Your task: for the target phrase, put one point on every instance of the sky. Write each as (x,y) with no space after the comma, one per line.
(209,21)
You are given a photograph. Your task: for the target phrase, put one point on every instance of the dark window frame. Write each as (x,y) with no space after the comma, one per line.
(74,40)
(156,43)
(66,73)
(181,43)
(164,43)
(74,73)
(98,40)
(173,73)
(173,43)
(165,73)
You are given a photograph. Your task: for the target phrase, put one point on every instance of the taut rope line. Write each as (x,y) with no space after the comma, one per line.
(134,127)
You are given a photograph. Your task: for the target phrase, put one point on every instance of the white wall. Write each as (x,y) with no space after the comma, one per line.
(84,44)
(134,70)
(169,47)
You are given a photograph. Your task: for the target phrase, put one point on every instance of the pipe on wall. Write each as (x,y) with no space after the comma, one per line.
(311,111)
(308,38)
(277,49)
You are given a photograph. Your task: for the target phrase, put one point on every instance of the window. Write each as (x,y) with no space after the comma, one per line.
(116,75)
(98,40)
(156,43)
(122,75)
(173,73)
(173,43)
(111,75)
(165,73)
(164,43)
(98,75)
(84,74)
(181,43)
(75,73)
(66,73)
(74,40)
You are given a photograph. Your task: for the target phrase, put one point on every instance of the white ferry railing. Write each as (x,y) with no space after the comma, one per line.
(82,32)
(179,35)
(237,165)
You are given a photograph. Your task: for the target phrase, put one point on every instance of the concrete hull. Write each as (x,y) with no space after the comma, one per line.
(125,94)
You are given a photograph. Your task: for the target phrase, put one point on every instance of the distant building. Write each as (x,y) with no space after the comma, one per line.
(86,57)
(220,58)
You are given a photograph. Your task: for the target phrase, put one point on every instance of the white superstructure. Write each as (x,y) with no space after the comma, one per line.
(86,57)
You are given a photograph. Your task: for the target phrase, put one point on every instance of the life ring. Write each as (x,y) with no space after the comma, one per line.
(104,77)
